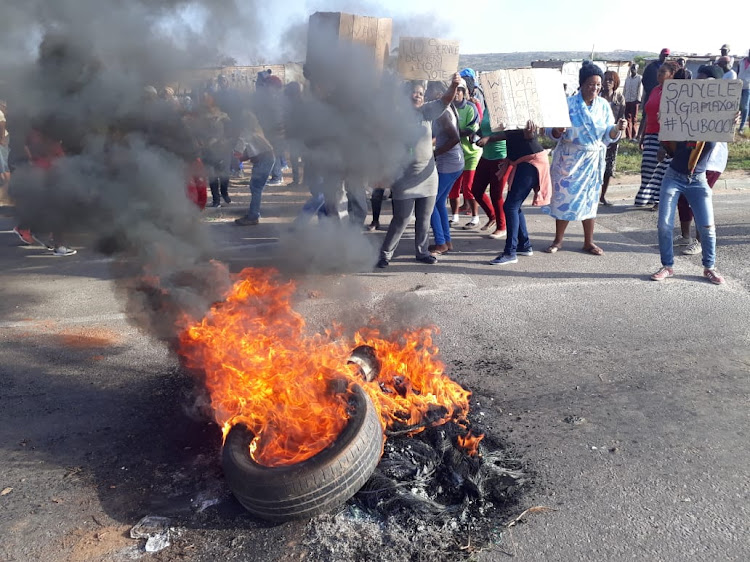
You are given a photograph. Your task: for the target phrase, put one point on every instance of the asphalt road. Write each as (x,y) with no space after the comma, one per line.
(98,427)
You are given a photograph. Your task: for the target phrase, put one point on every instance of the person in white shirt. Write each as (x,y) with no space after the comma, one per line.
(725,64)
(744,75)
(633,93)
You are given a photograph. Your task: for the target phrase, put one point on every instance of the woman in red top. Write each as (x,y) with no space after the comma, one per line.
(652,171)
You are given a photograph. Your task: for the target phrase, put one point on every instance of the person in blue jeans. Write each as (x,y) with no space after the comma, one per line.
(530,171)
(686,176)
(254,146)
(449,160)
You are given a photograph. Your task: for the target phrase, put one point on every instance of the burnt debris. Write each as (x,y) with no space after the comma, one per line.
(427,500)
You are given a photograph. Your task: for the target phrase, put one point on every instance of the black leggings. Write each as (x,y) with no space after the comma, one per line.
(377,203)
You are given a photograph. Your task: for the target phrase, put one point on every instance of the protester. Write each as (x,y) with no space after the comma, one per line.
(493,170)
(476,95)
(255,147)
(744,75)
(577,168)
(449,160)
(633,93)
(416,189)
(650,74)
(687,176)
(652,170)
(268,106)
(724,50)
(617,103)
(715,166)
(468,125)
(43,152)
(530,171)
(725,64)
(686,74)
(293,105)
(210,126)
(651,81)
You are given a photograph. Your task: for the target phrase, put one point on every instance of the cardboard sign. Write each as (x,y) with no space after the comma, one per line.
(701,110)
(327,28)
(516,96)
(422,58)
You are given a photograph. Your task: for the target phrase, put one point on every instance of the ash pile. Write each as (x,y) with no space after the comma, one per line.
(427,500)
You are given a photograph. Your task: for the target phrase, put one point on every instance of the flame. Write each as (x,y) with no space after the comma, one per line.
(262,369)
(470,443)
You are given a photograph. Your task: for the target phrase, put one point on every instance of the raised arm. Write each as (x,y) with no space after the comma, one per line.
(450,93)
(432,110)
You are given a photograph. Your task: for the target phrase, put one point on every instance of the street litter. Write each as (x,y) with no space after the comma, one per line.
(155,530)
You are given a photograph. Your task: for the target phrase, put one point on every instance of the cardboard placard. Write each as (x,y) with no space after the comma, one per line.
(700,110)
(516,96)
(423,58)
(328,28)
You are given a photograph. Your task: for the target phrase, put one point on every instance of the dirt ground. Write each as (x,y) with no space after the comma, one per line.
(627,401)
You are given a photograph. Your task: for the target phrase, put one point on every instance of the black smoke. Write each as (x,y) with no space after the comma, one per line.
(76,70)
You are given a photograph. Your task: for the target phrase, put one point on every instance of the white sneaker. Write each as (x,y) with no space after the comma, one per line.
(680,240)
(693,248)
(64,251)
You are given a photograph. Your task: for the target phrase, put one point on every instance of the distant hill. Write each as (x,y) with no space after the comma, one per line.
(495,61)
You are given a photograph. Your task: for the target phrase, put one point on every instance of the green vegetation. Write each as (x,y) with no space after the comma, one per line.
(739,153)
(628,158)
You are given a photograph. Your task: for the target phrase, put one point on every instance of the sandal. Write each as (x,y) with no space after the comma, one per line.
(594,250)
(553,248)
(489,225)
(438,249)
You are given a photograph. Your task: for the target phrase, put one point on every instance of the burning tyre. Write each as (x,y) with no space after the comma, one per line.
(315,485)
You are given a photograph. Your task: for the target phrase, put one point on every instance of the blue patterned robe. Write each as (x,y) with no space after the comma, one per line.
(577,168)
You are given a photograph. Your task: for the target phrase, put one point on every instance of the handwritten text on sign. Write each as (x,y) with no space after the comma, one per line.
(516,96)
(699,110)
(421,58)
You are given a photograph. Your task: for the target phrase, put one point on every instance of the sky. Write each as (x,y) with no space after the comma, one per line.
(494,26)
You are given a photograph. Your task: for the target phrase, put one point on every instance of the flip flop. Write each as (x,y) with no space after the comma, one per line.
(552,249)
(594,250)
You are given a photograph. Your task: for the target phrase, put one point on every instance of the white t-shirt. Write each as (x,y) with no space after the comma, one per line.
(717,160)
(730,75)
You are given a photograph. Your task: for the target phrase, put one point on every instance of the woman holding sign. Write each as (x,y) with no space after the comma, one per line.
(416,190)
(578,162)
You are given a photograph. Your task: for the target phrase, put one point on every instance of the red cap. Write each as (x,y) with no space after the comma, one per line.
(665,51)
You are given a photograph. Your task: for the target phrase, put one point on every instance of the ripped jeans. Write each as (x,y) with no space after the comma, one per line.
(695,189)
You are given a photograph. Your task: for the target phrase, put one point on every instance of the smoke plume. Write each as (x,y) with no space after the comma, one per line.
(76,70)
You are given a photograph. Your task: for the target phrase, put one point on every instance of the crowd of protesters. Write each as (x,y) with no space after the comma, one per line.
(453,153)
